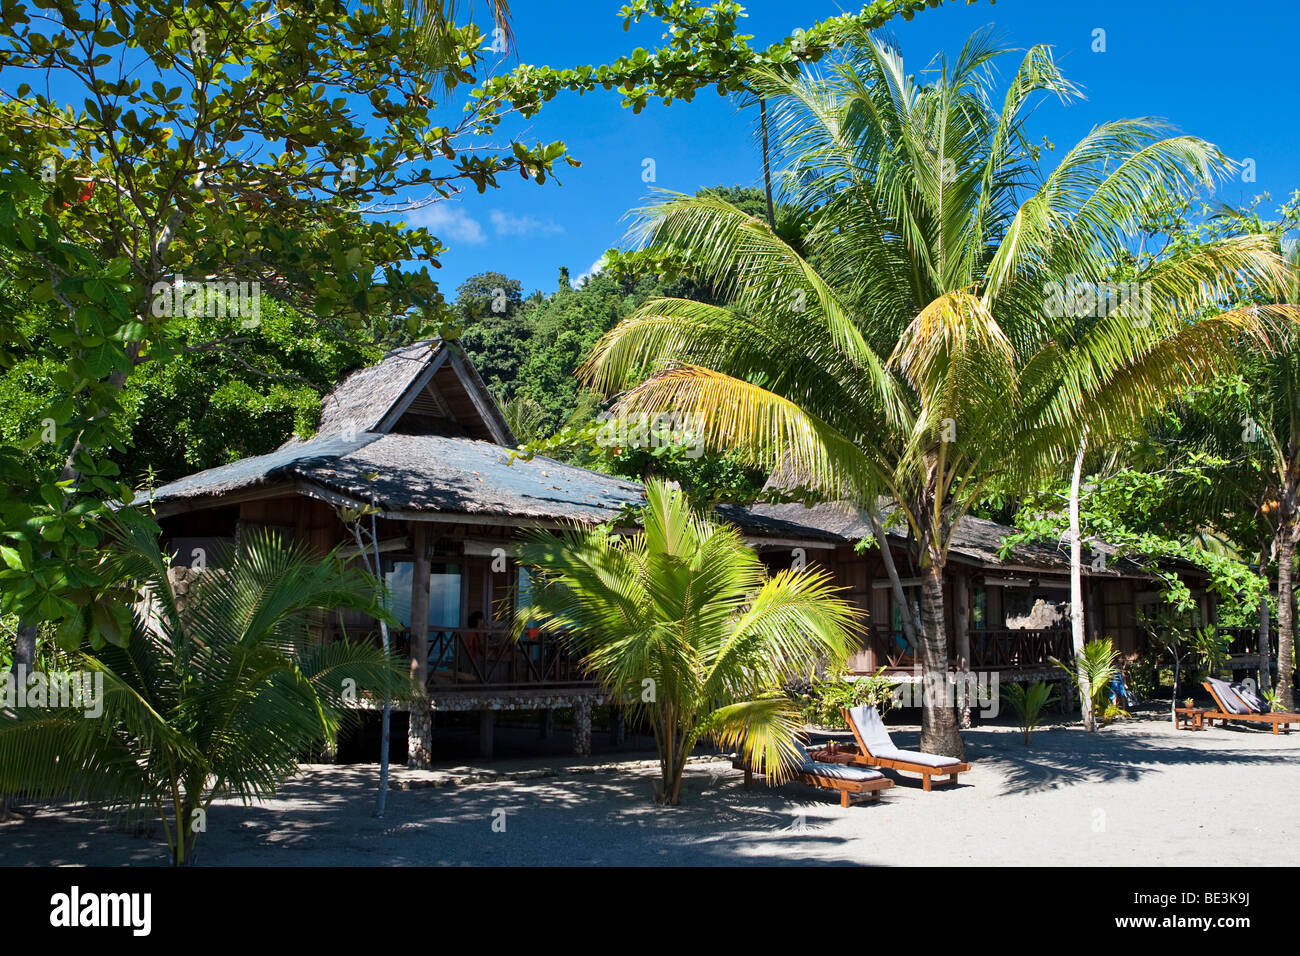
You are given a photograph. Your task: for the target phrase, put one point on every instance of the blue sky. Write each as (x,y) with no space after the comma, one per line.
(1222,72)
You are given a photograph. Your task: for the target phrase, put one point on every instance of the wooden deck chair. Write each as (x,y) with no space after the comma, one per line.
(849,781)
(1241,704)
(876,749)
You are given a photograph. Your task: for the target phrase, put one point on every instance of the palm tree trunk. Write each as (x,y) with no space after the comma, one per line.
(673,783)
(25,646)
(895,582)
(1173,697)
(940,733)
(767,166)
(1076,589)
(1285,618)
(962,609)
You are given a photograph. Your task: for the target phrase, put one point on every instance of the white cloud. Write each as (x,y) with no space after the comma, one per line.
(508,225)
(449,222)
(591,271)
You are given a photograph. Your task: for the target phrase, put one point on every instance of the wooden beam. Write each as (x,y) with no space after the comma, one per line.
(419,735)
(962,610)
(420,605)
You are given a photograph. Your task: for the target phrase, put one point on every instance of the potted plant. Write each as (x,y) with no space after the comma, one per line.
(1188,702)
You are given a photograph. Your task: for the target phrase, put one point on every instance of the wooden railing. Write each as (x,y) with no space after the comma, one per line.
(1245,640)
(890,647)
(489,657)
(991,649)
(1019,648)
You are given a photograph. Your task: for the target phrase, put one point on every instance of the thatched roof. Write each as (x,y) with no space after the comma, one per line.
(411,475)
(409,385)
(360,402)
(975,540)
(414,474)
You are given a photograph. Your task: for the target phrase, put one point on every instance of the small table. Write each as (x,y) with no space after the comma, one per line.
(835,753)
(1190,718)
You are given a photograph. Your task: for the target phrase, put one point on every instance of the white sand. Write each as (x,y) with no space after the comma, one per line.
(1135,793)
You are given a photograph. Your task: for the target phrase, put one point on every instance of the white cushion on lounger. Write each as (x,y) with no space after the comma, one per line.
(842,771)
(805,760)
(871,728)
(914,756)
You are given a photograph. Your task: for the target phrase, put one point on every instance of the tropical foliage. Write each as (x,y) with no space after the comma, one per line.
(1091,674)
(916,348)
(683,623)
(218,692)
(1188,647)
(823,698)
(1029,702)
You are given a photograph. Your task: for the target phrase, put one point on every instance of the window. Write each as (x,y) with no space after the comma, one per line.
(913,595)
(1035,608)
(444,593)
(979,609)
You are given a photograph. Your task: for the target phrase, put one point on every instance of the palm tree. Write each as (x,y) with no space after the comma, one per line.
(682,621)
(436,37)
(218,693)
(911,349)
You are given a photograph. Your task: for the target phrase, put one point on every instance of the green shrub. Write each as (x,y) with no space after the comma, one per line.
(821,699)
(1099,666)
(1028,703)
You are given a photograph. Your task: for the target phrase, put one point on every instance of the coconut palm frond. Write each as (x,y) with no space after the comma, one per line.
(682,623)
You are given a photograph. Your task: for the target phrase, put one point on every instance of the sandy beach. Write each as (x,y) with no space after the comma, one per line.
(1138,792)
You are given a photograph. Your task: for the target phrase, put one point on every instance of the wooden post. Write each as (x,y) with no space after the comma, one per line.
(547,727)
(617,726)
(582,726)
(486,724)
(419,737)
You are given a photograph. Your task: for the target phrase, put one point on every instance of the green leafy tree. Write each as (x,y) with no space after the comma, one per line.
(215,143)
(207,407)
(1188,646)
(706,49)
(1248,427)
(496,334)
(683,622)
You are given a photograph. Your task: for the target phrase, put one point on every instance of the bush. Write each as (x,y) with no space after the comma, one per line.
(821,699)
(1028,703)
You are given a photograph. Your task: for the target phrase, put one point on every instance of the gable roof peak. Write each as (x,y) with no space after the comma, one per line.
(404,388)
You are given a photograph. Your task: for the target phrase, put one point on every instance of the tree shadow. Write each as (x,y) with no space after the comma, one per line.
(1062,757)
(325,816)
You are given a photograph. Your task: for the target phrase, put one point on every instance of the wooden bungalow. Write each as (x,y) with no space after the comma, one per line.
(1009,615)
(419,437)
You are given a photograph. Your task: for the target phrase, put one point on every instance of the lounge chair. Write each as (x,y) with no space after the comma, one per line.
(849,781)
(876,749)
(1238,703)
